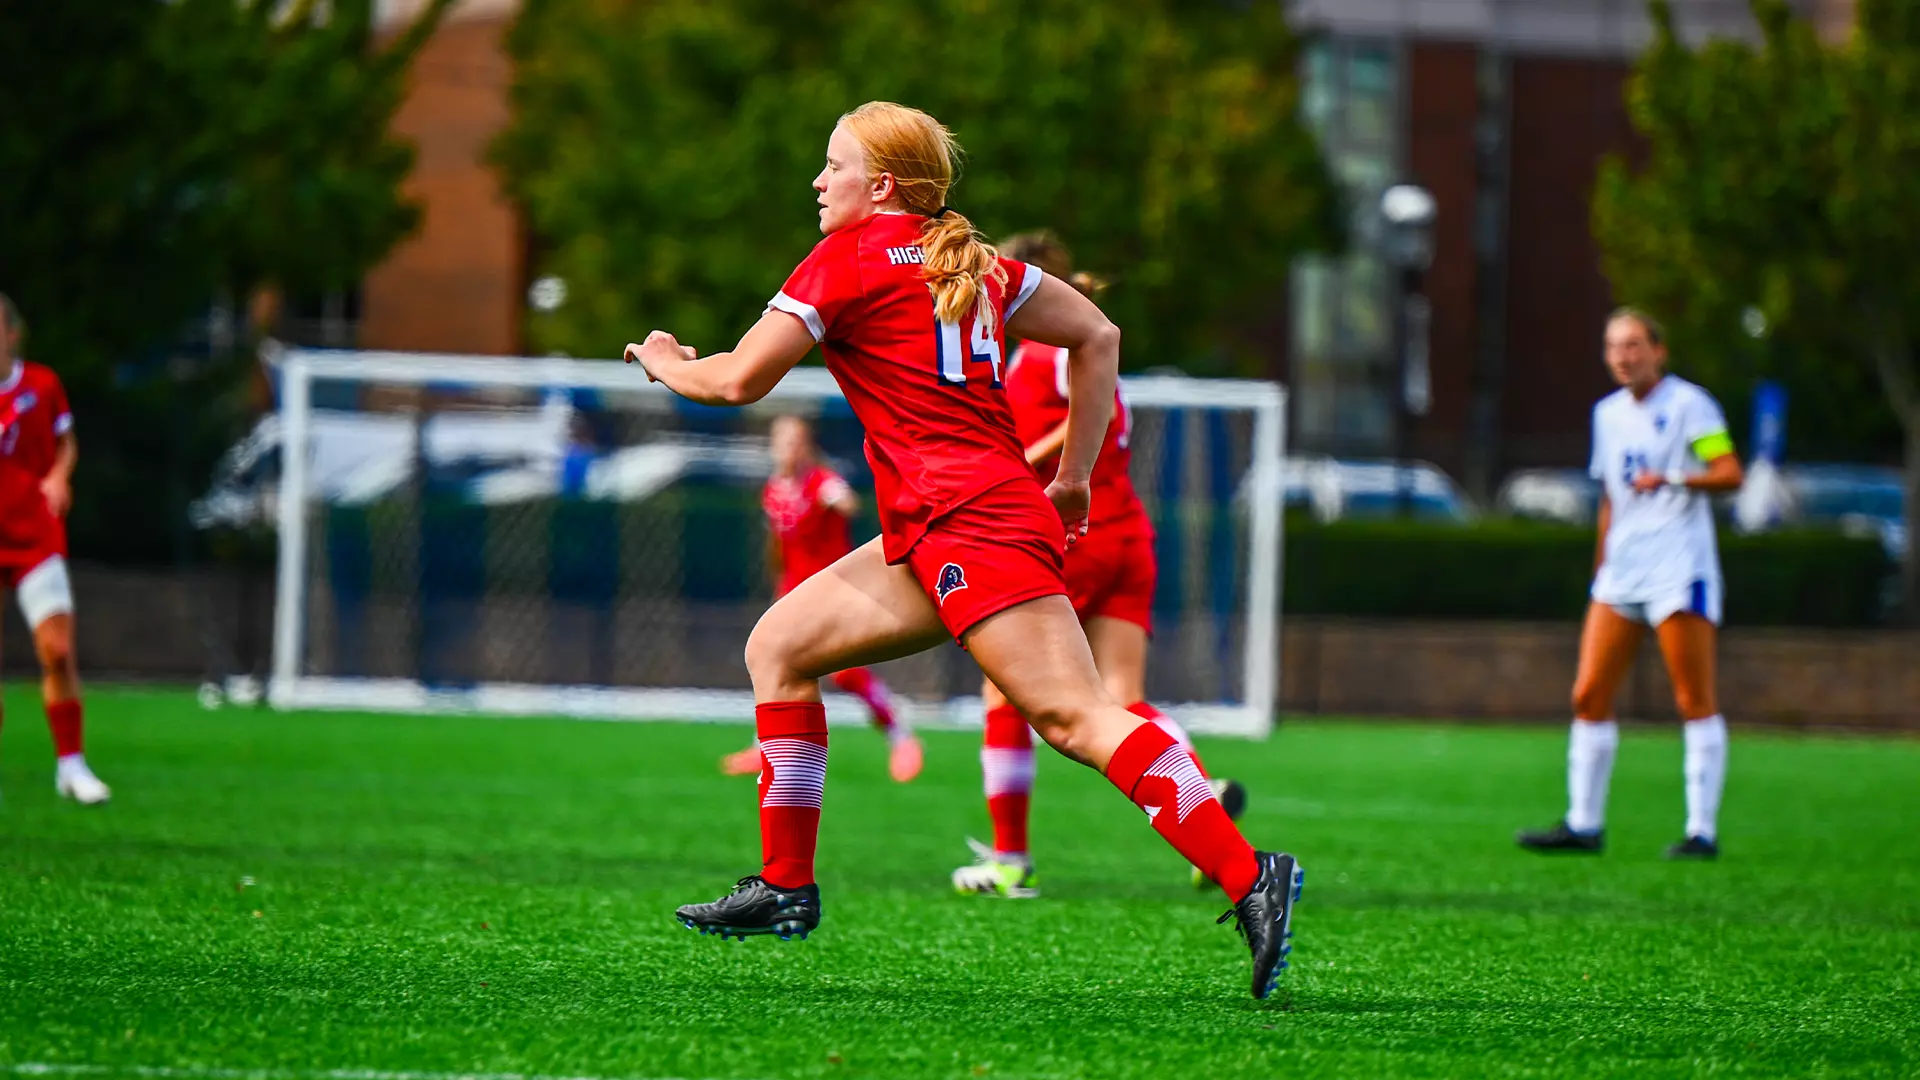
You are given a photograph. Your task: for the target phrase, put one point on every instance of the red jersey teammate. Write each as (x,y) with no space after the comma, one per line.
(37,455)
(1110,579)
(912,310)
(809,513)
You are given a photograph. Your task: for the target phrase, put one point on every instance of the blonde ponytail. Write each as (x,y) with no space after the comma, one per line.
(959,263)
(923,157)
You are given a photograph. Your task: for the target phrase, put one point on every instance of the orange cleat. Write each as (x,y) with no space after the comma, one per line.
(746,762)
(906,758)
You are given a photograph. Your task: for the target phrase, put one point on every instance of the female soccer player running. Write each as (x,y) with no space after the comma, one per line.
(912,309)
(1661,448)
(809,508)
(1110,579)
(37,454)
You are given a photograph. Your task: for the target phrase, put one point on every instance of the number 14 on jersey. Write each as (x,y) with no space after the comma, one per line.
(984,349)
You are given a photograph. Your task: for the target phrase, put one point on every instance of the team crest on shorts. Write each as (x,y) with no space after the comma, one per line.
(952,578)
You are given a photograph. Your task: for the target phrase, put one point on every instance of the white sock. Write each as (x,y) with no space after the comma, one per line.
(1175,732)
(68,762)
(1590,748)
(1706,773)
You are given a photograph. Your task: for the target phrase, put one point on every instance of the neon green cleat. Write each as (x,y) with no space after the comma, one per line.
(992,873)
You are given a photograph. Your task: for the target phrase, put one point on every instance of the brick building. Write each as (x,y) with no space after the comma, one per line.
(1502,108)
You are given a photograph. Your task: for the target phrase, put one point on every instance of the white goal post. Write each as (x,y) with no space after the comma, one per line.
(541,536)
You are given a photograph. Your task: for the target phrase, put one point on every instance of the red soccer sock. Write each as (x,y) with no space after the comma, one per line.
(793,739)
(1006,767)
(1152,769)
(1167,724)
(63,719)
(867,686)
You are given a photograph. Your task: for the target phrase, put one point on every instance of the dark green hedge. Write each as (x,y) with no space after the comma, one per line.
(1521,570)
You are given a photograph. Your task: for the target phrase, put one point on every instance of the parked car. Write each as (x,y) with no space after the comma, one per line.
(1336,489)
(1866,500)
(1568,495)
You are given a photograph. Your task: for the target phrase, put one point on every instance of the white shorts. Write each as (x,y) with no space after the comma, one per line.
(1701,597)
(44,591)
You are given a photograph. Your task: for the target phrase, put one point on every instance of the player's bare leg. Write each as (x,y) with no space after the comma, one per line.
(60,691)
(1688,644)
(1037,654)
(1608,643)
(858,611)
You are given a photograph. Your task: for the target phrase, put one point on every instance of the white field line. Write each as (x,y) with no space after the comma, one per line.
(203,1072)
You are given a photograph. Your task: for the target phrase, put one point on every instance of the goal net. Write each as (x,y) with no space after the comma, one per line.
(543,536)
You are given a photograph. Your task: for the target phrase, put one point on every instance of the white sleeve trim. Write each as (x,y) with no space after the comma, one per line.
(801,310)
(1060,373)
(1028,283)
(63,423)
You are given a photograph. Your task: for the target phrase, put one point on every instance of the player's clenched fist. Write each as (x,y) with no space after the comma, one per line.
(1075,502)
(659,348)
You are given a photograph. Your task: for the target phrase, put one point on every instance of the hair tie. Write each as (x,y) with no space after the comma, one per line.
(940,213)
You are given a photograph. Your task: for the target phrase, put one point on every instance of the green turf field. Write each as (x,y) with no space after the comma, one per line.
(446,896)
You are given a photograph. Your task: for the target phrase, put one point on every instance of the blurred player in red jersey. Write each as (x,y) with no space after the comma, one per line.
(1110,578)
(912,310)
(37,454)
(809,511)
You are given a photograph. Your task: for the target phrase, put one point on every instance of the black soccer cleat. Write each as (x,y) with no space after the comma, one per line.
(755,907)
(1265,917)
(1694,847)
(1562,838)
(1232,795)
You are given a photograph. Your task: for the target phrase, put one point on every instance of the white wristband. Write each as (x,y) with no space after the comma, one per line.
(1676,478)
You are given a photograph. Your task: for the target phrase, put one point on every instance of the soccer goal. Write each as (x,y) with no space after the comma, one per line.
(560,537)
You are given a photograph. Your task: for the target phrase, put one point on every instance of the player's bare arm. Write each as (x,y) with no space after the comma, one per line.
(740,377)
(57,485)
(1604,519)
(1047,445)
(1057,314)
(844,502)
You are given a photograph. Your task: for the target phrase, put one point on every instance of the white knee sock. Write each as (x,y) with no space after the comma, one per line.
(1706,773)
(1590,748)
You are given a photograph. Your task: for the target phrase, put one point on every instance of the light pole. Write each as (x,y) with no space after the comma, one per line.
(1407,213)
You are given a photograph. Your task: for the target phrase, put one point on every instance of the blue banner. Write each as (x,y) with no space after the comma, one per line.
(1769,422)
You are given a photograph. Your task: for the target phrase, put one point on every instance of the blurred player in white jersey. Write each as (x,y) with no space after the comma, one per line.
(1661,449)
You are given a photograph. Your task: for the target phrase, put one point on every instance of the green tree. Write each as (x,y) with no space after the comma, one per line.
(663,151)
(1782,177)
(157,155)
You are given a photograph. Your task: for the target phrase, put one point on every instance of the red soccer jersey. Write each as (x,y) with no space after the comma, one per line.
(1037,391)
(33,416)
(928,393)
(812,534)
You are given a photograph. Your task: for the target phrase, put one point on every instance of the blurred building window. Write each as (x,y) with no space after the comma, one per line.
(328,320)
(1342,346)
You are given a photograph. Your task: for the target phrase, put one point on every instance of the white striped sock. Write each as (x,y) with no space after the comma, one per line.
(1190,787)
(1006,770)
(799,772)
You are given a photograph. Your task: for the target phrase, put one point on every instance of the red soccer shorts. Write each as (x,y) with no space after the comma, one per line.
(1002,547)
(17,563)
(1111,575)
